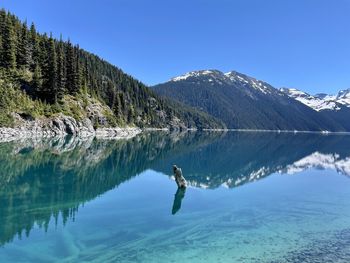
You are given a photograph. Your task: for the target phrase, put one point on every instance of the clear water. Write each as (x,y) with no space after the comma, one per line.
(254,197)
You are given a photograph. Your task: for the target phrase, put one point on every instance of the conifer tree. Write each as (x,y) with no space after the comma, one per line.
(78,71)
(23,50)
(71,66)
(9,45)
(117,107)
(60,71)
(34,47)
(50,73)
(37,82)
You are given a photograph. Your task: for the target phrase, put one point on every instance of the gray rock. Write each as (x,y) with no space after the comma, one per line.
(70,125)
(60,126)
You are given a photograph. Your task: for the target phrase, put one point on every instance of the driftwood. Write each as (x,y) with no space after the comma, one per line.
(179,179)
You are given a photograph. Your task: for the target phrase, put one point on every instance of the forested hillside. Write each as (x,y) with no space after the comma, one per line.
(243,102)
(39,75)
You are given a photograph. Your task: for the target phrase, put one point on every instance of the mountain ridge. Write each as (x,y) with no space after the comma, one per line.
(243,102)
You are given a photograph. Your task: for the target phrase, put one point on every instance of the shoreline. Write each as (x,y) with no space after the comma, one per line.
(115,133)
(61,126)
(280,131)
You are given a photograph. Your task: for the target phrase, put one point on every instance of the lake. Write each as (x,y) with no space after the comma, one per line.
(253,197)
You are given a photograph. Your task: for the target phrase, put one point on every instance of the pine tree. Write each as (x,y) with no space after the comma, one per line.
(34,47)
(131,114)
(111,95)
(50,73)
(60,71)
(117,106)
(2,26)
(9,45)
(37,82)
(72,83)
(43,47)
(23,49)
(122,103)
(78,71)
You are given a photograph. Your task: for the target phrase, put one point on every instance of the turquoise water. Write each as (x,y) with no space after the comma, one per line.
(253,197)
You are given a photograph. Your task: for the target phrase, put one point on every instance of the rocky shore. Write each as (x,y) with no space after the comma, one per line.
(62,125)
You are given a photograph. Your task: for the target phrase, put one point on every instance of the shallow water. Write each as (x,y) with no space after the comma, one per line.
(254,197)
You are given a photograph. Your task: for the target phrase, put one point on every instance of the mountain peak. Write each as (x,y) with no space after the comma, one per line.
(344,93)
(216,77)
(317,102)
(197,73)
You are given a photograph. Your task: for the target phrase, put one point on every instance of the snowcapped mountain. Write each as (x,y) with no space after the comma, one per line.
(205,74)
(343,97)
(243,102)
(320,102)
(216,77)
(334,107)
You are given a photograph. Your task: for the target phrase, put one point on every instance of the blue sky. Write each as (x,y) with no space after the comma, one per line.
(293,43)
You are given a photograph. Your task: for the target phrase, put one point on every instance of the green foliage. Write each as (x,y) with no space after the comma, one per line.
(12,99)
(24,52)
(50,89)
(6,119)
(8,43)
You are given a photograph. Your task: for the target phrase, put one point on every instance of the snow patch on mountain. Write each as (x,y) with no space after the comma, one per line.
(343,97)
(234,77)
(217,77)
(193,74)
(318,103)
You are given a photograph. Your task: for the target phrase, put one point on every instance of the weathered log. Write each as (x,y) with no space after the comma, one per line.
(179,179)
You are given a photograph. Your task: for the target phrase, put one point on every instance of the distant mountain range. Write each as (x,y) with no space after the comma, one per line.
(321,101)
(336,107)
(243,102)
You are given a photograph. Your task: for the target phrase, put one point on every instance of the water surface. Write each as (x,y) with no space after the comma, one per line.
(254,197)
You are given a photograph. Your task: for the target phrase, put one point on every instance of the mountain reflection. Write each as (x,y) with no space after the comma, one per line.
(42,179)
(238,158)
